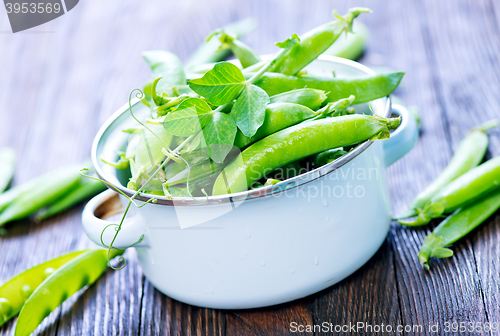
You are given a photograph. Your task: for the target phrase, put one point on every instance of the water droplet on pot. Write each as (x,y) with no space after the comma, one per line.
(324,202)
(248,233)
(292,270)
(263,263)
(316,261)
(327,219)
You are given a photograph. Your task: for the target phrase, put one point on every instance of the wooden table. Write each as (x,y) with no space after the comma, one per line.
(59,82)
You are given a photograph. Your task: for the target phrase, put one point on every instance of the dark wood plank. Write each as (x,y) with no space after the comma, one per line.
(289,319)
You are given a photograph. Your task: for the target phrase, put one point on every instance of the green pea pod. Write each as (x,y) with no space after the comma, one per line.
(365,89)
(197,171)
(13,194)
(68,279)
(308,97)
(169,66)
(209,52)
(287,171)
(86,188)
(328,156)
(315,42)
(456,226)
(243,53)
(465,189)
(297,142)
(7,167)
(278,116)
(468,155)
(18,289)
(352,44)
(48,189)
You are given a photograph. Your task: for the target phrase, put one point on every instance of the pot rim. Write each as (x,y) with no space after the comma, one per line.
(249,194)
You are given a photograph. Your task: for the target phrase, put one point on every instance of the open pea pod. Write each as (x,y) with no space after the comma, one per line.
(17,290)
(81,271)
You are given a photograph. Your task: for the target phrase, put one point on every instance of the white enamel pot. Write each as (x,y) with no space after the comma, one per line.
(266,246)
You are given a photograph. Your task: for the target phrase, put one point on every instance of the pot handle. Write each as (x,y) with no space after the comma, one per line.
(132,229)
(403,138)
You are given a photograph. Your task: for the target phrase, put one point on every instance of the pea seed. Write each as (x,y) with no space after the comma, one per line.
(26,291)
(5,307)
(48,271)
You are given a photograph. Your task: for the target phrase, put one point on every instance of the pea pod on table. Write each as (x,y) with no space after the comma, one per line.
(315,42)
(365,88)
(456,226)
(297,142)
(7,166)
(81,271)
(468,155)
(40,193)
(17,290)
(85,189)
(465,189)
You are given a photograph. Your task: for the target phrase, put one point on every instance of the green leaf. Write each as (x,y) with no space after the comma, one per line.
(288,43)
(168,65)
(191,116)
(249,110)
(221,84)
(219,134)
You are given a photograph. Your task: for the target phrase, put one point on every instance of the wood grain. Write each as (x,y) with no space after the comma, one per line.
(62,80)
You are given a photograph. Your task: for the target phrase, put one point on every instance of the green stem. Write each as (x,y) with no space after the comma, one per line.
(266,67)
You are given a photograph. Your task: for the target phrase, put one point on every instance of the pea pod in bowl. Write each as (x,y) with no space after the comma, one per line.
(243,230)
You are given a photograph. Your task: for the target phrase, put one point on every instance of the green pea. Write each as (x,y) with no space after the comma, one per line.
(48,271)
(297,142)
(308,97)
(15,291)
(86,188)
(468,155)
(456,226)
(26,291)
(7,167)
(68,279)
(465,189)
(54,185)
(315,42)
(5,307)
(365,88)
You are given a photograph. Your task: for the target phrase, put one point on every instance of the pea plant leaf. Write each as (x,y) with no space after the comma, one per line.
(219,134)
(168,65)
(220,85)
(189,117)
(249,110)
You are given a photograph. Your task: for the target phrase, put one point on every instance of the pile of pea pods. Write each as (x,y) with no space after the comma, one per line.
(218,127)
(466,190)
